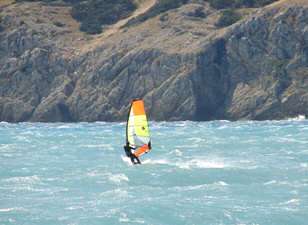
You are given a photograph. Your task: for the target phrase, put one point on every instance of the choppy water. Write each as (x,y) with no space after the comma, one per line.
(198,173)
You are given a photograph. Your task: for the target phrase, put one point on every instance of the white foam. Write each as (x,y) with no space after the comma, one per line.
(157,161)
(119,193)
(295,184)
(118,178)
(221,183)
(6,147)
(201,186)
(196,139)
(74,207)
(125,219)
(190,187)
(94,173)
(189,164)
(270,182)
(23,139)
(126,160)
(99,146)
(27,179)
(222,127)
(293,201)
(228,215)
(178,152)
(298,118)
(201,163)
(64,127)
(12,209)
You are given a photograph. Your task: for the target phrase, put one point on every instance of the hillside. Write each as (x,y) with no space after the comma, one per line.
(187,59)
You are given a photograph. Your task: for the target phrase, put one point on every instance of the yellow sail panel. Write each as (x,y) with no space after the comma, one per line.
(141,126)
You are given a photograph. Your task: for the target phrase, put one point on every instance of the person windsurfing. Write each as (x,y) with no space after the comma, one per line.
(138,139)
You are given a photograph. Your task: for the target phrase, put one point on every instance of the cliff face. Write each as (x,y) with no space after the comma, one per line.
(179,62)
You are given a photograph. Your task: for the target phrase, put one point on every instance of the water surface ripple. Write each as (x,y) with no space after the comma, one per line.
(210,173)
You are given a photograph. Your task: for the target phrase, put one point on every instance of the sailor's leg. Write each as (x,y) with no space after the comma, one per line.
(132,159)
(137,160)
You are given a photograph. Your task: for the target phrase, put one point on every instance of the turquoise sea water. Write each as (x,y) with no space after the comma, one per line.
(197,173)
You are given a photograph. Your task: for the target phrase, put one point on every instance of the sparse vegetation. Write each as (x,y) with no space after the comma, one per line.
(1,26)
(90,27)
(224,4)
(59,24)
(160,7)
(93,14)
(164,5)
(228,17)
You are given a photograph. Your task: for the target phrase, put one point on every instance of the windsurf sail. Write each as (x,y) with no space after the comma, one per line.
(137,129)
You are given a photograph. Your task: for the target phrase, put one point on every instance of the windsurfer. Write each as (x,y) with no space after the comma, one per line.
(132,156)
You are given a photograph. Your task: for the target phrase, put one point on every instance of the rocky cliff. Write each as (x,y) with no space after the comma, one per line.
(180,62)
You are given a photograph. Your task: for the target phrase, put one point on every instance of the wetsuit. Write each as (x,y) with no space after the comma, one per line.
(128,152)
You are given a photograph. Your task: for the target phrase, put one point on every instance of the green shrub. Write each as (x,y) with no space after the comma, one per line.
(244,3)
(221,4)
(160,7)
(59,24)
(1,26)
(94,13)
(90,27)
(228,17)
(164,5)
(224,4)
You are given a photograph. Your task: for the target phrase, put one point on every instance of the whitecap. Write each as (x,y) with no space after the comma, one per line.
(222,127)
(228,214)
(12,209)
(100,146)
(126,160)
(102,122)
(194,163)
(123,218)
(23,139)
(94,173)
(196,139)
(270,182)
(7,147)
(200,186)
(157,161)
(304,165)
(119,193)
(74,208)
(293,201)
(221,183)
(27,179)
(64,126)
(295,184)
(298,118)
(178,152)
(118,178)
(199,163)
(223,121)
(190,187)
